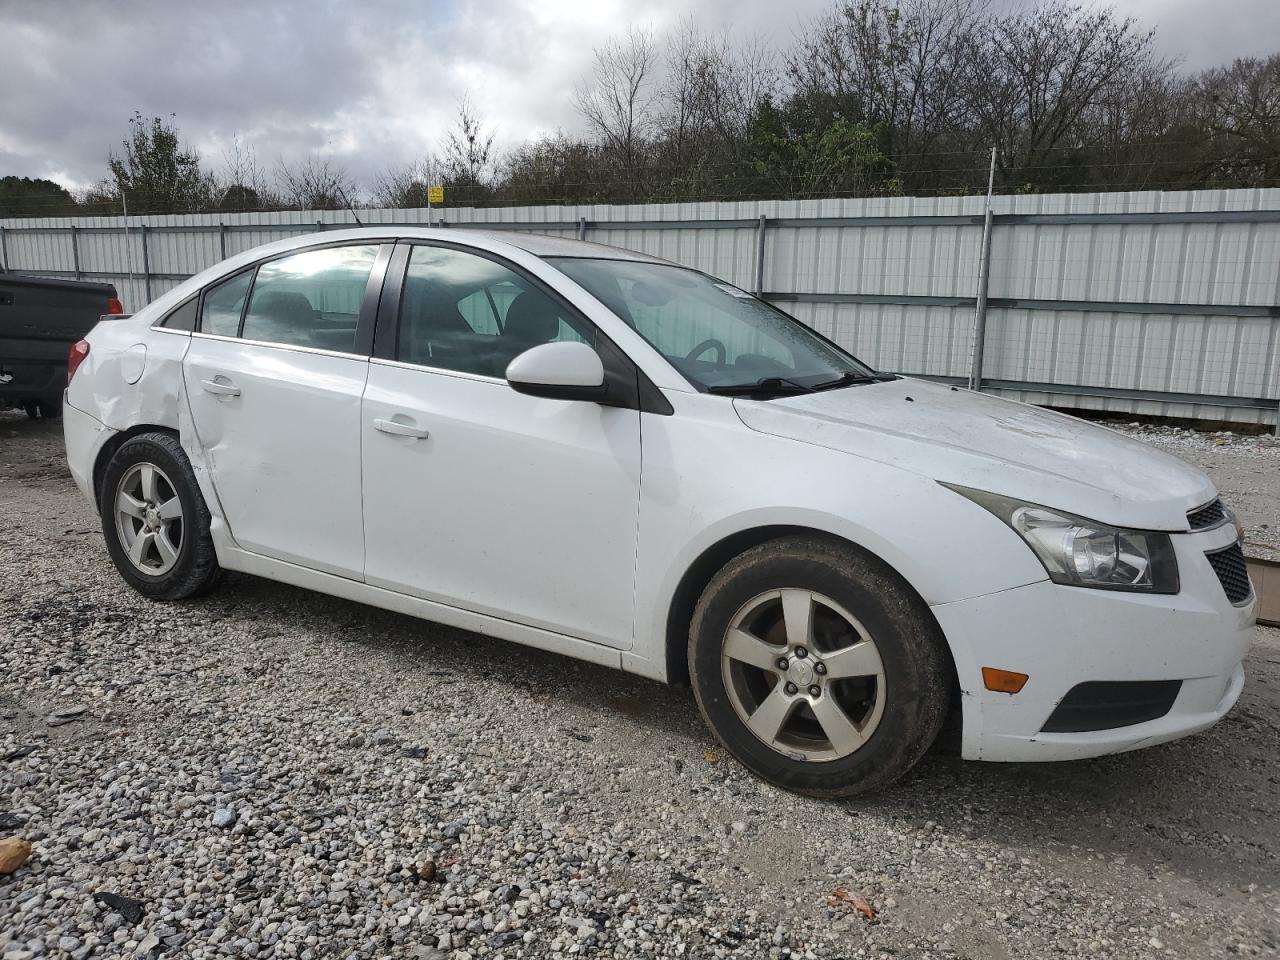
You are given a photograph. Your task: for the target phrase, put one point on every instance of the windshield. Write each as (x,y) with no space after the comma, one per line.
(721,338)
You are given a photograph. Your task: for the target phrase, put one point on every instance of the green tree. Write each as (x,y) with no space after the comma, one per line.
(794,154)
(28,197)
(157,174)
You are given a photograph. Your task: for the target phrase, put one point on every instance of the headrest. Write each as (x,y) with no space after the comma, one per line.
(532,318)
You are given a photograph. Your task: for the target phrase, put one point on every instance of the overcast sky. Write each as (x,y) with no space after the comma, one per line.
(376,83)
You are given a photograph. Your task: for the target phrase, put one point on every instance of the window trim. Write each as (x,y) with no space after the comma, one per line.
(636,390)
(369,303)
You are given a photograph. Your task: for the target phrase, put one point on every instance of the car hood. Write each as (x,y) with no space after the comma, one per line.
(1002,446)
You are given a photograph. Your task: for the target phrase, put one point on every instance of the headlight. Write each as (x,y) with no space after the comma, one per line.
(1082,553)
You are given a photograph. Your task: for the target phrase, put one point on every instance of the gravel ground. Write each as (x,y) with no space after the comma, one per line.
(273,773)
(1245,468)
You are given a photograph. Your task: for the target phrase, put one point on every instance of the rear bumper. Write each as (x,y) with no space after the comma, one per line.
(84,437)
(31,381)
(1064,636)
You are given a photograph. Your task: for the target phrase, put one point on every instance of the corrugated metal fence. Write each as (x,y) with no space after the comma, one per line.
(1155,303)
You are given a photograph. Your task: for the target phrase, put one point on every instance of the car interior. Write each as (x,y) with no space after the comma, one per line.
(436,332)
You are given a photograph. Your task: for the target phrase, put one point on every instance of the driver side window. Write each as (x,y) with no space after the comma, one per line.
(463,312)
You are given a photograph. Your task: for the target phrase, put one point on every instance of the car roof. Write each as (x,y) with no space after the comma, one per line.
(541,245)
(537,244)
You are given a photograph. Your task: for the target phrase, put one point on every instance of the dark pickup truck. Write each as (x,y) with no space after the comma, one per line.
(40,318)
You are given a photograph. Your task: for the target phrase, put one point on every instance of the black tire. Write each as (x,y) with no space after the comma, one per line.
(31,408)
(196,569)
(912,650)
(50,408)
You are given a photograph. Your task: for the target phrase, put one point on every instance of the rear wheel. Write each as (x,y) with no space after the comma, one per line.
(817,667)
(155,520)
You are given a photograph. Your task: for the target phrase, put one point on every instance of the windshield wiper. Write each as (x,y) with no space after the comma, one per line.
(774,385)
(850,378)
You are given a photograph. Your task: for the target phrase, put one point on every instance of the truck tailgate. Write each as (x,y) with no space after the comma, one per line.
(40,318)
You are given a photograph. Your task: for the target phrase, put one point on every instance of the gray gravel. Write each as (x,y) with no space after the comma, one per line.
(1246,469)
(273,773)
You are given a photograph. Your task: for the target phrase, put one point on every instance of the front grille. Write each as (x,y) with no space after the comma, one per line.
(1232,571)
(1210,515)
(1107,704)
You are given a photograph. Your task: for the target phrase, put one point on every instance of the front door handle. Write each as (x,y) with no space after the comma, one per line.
(220,387)
(399,429)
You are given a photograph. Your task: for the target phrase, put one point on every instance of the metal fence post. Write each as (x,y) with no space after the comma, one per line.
(319,226)
(984,280)
(761,226)
(75,250)
(582,228)
(146,264)
(222,241)
(4,249)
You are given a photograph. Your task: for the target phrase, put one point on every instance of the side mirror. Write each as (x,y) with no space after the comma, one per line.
(565,370)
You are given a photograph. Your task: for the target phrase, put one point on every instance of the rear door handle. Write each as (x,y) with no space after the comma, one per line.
(220,387)
(399,429)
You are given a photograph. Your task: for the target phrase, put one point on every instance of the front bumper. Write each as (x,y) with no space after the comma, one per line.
(1063,636)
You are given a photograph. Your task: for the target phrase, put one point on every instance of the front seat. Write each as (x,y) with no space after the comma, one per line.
(531,319)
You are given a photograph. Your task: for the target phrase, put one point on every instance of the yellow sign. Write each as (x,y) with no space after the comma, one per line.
(435,195)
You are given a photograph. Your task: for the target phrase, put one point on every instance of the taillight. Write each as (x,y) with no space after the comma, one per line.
(79,350)
(115,306)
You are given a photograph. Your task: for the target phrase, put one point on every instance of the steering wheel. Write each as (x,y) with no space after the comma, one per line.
(712,344)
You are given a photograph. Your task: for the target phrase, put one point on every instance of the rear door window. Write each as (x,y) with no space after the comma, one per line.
(311,299)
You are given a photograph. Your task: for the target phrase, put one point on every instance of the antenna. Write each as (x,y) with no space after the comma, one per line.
(350,208)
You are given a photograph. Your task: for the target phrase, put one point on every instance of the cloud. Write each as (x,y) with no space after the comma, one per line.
(373,84)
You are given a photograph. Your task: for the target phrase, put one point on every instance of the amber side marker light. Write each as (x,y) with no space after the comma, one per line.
(1003,681)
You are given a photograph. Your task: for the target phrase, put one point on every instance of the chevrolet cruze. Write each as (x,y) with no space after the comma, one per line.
(613,457)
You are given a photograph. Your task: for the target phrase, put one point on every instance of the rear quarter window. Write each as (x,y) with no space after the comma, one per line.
(182,317)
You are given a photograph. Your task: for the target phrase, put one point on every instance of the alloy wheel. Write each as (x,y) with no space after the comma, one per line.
(803,675)
(149,519)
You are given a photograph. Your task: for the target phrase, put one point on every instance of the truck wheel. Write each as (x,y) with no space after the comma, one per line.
(818,667)
(32,408)
(155,520)
(50,409)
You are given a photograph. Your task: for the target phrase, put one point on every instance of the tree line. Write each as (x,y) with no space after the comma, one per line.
(874,98)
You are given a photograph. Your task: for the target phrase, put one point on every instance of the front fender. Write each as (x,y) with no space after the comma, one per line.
(708,478)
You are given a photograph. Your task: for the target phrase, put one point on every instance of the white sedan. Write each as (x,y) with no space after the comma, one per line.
(613,457)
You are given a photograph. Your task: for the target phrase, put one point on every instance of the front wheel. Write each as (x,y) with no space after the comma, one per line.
(155,520)
(818,667)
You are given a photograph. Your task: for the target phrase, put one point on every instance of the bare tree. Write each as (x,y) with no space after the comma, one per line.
(405,187)
(894,65)
(1031,78)
(617,102)
(1239,107)
(713,86)
(315,183)
(242,183)
(468,152)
